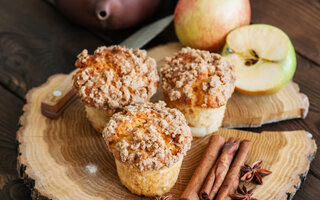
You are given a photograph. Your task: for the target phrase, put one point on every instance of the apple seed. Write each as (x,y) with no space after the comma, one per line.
(254,53)
(251,61)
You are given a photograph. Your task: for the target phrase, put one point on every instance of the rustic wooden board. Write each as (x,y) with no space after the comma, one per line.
(245,110)
(300,20)
(67,159)
(29,51)
(8,144)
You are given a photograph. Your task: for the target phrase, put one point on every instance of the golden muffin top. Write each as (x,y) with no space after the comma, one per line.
(114,77)
(148,136)
(198,78)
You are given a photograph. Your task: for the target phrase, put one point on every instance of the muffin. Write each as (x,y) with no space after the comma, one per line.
(199,84)
(112,78)
(148,142)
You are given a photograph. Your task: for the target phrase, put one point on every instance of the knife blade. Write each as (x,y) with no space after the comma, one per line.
(57,100)
(147,33)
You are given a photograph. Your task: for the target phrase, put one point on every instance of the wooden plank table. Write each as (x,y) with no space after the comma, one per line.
(36,42)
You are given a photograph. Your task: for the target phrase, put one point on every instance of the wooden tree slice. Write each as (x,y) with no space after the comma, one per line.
(253,111)
(246,110)
(66,159)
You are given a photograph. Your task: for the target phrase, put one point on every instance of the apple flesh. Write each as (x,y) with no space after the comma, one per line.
(204,24)
(263,57)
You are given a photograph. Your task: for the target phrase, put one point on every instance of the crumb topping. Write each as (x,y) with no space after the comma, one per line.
(148,136)
(198,78)
(114,77)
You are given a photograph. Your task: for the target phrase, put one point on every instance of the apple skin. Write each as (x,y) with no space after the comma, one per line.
(204,24)
(289,64)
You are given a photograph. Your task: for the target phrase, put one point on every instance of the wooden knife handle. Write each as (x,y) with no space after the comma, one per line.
(58,100)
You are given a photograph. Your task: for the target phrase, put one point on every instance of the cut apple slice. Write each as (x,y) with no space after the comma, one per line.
(258,78)
(263,57)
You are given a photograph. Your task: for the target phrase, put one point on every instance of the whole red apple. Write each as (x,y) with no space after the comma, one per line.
(204,24)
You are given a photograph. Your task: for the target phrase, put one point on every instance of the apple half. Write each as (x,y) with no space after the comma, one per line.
(263,57)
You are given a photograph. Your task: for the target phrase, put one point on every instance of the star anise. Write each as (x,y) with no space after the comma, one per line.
(168,197)
(254,172)
(243,194)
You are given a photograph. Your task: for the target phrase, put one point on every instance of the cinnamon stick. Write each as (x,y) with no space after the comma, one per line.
(220,169)
(208,159)
(231,181)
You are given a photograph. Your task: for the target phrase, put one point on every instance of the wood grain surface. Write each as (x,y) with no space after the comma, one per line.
(298,18)
(7,140)
(48,35)
(67,159)
(10,186)
(36,42)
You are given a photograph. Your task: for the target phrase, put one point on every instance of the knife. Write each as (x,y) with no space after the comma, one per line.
(57,100)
